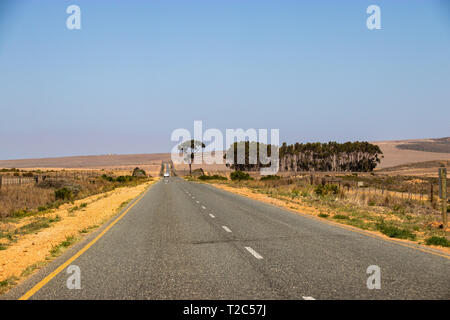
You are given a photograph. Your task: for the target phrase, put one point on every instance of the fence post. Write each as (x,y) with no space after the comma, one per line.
(431,192)
(443,194)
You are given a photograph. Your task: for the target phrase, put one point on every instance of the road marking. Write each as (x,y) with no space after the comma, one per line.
(212,216)
(353,229)
(203,207)
(254,253)
(197,201)
(193,197)
(226,228)
(47,279)
(308,298)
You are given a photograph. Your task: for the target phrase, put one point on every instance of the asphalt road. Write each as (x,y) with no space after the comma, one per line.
(185,240)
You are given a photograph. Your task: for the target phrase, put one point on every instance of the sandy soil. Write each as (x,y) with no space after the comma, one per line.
(31,249)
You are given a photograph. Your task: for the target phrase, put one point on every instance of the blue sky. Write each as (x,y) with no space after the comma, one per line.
(137,70)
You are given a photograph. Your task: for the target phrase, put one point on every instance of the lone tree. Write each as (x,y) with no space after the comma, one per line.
(189,148)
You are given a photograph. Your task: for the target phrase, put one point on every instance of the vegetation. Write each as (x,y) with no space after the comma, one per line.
(213,177)
(387,212)
(190,148)
(326,189)
(270,177)
(395,232)
(332,156)
(63,194)
(58,249)
(240,175)
(55,188)
(245,156)
(438,241)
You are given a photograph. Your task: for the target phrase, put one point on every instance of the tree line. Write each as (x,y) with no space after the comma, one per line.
(331,156)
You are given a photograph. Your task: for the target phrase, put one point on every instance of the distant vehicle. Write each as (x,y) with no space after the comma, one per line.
(166,174)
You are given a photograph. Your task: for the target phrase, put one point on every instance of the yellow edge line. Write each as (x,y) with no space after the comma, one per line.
(47,279)
(349,228)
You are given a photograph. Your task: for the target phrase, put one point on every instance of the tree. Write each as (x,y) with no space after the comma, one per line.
(189,148)
(332,156)
(250,160)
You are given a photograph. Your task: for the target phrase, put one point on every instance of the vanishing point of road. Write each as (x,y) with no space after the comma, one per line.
(185,240)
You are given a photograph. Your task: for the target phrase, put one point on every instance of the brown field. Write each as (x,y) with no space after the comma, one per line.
(393,157)
(122,161)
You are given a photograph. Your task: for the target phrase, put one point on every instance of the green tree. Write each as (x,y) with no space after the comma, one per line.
(189,148)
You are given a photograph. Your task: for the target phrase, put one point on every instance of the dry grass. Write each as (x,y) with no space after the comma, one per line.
(387,213)
(31,242)
(17,199)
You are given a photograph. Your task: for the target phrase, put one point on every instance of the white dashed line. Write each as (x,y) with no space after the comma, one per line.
(197,201)
(254,253)
(212,216)
(308,298)
(226,228)
(203,207)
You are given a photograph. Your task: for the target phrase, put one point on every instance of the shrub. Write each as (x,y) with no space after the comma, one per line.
(438,241)
(340,217)
(63,194)
(240,175)
(139,173)
(124,179)
(323,215)
(394,232)
(325,189)
(270,177)
(295,193)
(213,177)
(107,178)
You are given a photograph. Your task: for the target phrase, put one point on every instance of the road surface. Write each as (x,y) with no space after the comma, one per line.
(185,240)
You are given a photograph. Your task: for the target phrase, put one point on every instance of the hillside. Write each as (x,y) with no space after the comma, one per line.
(410,151)
(396,153)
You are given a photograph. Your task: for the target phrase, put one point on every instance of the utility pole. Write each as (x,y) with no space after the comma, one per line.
(443,194)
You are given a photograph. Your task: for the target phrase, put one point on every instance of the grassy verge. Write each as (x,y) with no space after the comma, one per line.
(63,245)
(391,216)
(70,233)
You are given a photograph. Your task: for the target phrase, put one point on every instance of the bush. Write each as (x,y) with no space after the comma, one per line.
(438,241)
(123,179)
(295,193)
(139,173)
(107,178)
(270,177)
(394,232)
(240,175)
(325,189)
(341,217)
(213,177)
(63,194)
